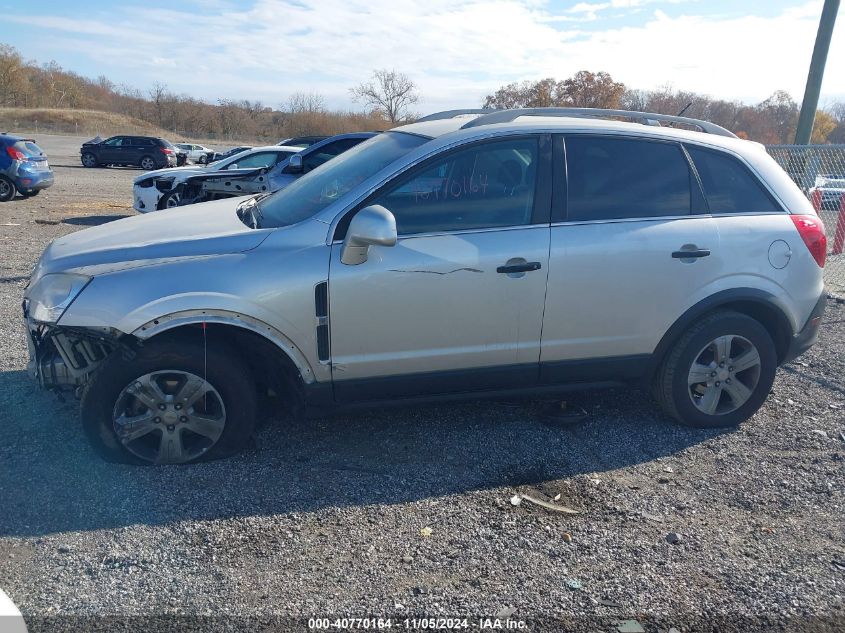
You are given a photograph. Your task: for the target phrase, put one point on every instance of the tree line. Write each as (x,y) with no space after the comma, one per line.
(772,121)
(386,100)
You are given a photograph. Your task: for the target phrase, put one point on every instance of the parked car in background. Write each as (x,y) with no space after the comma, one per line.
(181,156)
(230,152)
(302,141)
(161,189)
(196,153)
(828,191)
(522,251)
(23,167)
(146,152)
(208,185)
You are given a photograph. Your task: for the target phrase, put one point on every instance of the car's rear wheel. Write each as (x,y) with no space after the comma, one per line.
(7,189)
(147,163)
(719,373)
(202,160)
(89,160)
(173,403)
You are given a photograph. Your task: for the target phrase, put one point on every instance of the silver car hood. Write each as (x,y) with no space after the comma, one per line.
(210,228)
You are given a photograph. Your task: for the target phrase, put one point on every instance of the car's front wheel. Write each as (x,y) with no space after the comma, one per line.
(174,403)
(7,189)
(170,200)
(89,160)
(719,372)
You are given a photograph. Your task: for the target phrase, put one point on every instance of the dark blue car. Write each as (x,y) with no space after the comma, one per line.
(23,167)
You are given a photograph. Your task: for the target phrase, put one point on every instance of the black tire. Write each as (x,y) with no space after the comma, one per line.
(147,163)
(7,189)
(221,367)
(202,160)
(31,193)
(167,200)
(89,160)
(671,386)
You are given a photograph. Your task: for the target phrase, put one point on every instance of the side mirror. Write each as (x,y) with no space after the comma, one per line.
(373,225)
(294,164)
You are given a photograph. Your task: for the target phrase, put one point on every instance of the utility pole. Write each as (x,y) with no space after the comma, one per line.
(814,77)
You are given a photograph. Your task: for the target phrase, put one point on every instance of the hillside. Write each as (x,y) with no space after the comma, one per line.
(77,122)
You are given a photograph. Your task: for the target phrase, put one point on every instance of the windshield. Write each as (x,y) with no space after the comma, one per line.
(317,189)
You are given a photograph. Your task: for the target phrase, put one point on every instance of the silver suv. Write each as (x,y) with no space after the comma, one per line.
(508,252)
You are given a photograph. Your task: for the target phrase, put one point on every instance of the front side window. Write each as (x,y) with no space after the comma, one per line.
(484,186)
(327,152)
(728,185)
(117,141)
(616,178)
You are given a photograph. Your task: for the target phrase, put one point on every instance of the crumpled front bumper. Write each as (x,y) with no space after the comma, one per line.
(61,359)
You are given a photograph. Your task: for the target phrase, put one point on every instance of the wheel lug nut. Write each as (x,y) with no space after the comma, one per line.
(730,368)
(712,374)
(718,383)
(184,418)
(722,364)
(162,407)
(156,420)
(171,428)
(177,406)
(728,381)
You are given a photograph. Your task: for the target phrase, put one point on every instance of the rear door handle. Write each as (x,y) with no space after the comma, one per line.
(701,252)
(519,268)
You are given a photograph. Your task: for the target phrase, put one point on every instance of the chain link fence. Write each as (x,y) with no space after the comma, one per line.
(819,170)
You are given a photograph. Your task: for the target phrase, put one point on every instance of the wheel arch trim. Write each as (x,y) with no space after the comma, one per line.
(723,299)
(224,317)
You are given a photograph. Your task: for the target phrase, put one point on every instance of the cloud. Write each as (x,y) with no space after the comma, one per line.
(456,52)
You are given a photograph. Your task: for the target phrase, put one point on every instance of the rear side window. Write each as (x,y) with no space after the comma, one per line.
(615,178)
(28,148)
(728,185)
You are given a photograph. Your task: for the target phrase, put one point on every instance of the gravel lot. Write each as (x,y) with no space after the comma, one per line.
(324,517)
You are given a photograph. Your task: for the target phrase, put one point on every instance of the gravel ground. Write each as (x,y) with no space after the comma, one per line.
(328,517)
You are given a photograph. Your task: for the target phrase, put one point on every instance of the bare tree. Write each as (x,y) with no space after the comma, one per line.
(389,93)
(305,102)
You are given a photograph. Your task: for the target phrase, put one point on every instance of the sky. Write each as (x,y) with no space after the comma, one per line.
(456,52)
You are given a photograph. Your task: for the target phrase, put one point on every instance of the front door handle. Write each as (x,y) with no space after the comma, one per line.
(691,254)
(519,268)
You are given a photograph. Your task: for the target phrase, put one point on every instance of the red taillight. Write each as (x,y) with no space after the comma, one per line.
(166,150)
(811,230)
(16,154)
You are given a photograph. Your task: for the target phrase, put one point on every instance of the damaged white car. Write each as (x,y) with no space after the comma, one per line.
(160,189)
(243,174)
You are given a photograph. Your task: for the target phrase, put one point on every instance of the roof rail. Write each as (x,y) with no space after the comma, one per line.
(451,114)
(646,118)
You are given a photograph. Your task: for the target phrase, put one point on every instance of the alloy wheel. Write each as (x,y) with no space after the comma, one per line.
(724,375)
(169,416)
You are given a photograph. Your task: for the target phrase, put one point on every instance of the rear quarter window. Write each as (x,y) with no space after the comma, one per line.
(28,148)
(619,178)
(729,186)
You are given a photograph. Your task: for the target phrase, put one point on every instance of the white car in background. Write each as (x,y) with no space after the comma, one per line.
(153,190)
(196,153)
